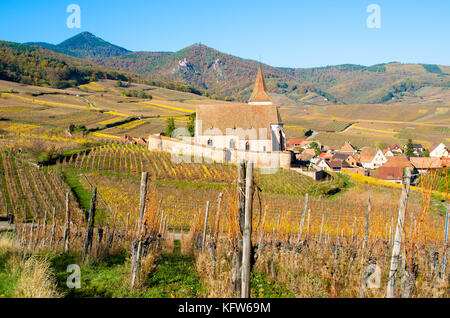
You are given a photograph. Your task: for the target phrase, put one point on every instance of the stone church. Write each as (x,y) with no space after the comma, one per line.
(252,127)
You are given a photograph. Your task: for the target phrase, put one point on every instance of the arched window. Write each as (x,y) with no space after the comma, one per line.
(232,144)
(210,142)
(247,146)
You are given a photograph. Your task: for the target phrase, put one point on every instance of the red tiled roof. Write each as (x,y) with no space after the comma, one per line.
(426,163)
(325,155)
(398,162)
(390,173)
(348,147)
(296,141)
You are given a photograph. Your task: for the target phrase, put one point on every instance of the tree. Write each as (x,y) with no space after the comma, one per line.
(316,147)
(410,148)
(170,126)
(191,124)
(426,153)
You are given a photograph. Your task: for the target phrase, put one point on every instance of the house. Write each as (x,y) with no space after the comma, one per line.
(350,160)
(371,158)
(391,174)
(295,143)
(439,150)
(255,126)
(321,164)
(338,165)
(396,149)
(307,154)
(425,164)
(418,150)
(353,161)
(307,144)
(126,139)
(348,148)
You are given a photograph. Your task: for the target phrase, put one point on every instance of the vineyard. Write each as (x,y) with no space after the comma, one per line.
(29,192)
(304,243)
(307,246)
(133,160)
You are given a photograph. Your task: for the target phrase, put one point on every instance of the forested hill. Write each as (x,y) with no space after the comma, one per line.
(200,68)
(84,45)
(229,76)
(34,65)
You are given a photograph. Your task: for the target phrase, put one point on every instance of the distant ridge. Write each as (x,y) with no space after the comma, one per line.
(225,76)
(84,45)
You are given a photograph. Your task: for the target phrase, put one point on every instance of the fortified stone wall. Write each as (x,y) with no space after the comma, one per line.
(183,151)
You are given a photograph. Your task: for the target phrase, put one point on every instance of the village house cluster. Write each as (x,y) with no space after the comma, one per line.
(386,164)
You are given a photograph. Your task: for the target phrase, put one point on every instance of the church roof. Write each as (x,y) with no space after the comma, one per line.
(237,118)
(259,91)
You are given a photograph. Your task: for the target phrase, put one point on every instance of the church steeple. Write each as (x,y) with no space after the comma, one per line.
(259,95)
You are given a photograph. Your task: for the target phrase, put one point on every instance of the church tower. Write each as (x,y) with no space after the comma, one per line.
(259,95)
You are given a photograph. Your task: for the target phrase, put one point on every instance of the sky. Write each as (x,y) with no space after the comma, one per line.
(289,33)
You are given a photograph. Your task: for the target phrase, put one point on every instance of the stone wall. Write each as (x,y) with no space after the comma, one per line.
(184,151)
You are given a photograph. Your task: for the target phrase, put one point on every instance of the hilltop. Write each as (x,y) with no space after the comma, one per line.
(84,45)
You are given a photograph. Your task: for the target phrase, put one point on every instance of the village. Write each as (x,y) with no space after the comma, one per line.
(386,164)
(254,131)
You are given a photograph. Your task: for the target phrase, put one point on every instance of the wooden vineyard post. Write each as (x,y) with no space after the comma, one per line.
(205,226)
(137,249)
(237,275)
(30,242)
(321,228)
(395,259)
(161,222)
(216,227)
(444,259)
(303,219)
(367,228)
(126,227)
(67,226)
(261,232)
(307,224)
(247,234)
(52,235)
(44,235)
(90,226)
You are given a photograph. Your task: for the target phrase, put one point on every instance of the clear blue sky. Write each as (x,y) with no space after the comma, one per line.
(296,33)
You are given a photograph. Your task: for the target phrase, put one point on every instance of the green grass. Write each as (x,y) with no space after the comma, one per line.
(174,276)
(263,287)
(82,195)
(8,278)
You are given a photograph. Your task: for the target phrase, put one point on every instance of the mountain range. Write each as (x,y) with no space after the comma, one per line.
(225,76)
